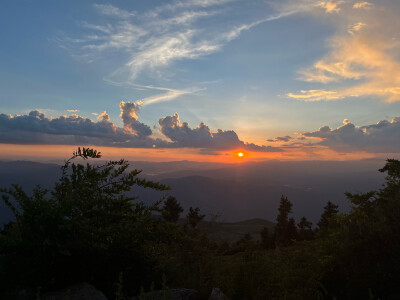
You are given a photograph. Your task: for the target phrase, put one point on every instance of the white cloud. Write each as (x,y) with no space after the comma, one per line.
(169,94)
(162,36)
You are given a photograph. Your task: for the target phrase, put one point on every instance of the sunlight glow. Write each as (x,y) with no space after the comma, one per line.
(240,154)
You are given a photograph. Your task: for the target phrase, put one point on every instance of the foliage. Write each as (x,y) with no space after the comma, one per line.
(194,217)
(267,239)
(305,230)
(87,228)
(285,228)
(365,243)
(171,210)
(327,217)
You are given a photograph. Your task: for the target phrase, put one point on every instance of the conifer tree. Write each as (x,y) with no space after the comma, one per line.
(330,210)
(285,229)
(171,210)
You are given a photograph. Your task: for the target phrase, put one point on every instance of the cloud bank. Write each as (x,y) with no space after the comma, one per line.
(35,128)
(201,136)
(382,137)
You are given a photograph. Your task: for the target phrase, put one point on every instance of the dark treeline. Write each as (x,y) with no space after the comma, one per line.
(86,229)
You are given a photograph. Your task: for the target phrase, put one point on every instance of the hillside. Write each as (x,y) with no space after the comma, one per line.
(231,232)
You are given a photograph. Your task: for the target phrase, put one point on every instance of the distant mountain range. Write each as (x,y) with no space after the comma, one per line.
(238,192)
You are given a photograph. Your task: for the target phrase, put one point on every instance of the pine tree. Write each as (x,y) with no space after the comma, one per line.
(171,210)
(330,210)
(285,229)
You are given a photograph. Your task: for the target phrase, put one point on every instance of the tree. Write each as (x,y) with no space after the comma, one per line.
(285,229)
(171,210)
(88,228)
(292,230)
(364,245)
(194,216)
(305,230)
(330,210)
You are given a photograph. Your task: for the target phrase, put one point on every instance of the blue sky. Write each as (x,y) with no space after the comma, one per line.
(262,69)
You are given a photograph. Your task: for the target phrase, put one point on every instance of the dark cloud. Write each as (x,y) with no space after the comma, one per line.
(35,128)
(377,138)
(129,118)
(201,136)
(63,125)
(281,139)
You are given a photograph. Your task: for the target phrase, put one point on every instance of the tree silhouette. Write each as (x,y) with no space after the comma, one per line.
(194,217)
(330,210)
(367,242)
(285,228)
(171,210)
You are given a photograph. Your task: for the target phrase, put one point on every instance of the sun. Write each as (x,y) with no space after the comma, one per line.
(240,154)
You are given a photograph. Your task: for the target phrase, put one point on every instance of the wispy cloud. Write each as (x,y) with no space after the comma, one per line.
(162,94)
(315,95)
(168,94)
(356,27)
(166,34)
(109,10)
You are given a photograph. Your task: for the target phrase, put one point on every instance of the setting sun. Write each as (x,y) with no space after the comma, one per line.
(240,154)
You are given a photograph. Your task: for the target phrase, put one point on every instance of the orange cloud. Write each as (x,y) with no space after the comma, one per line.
(365,5)
(315,95)
(330,6)
(364,63)
(356,27)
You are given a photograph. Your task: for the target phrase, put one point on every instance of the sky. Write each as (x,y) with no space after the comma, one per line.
(201,79)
